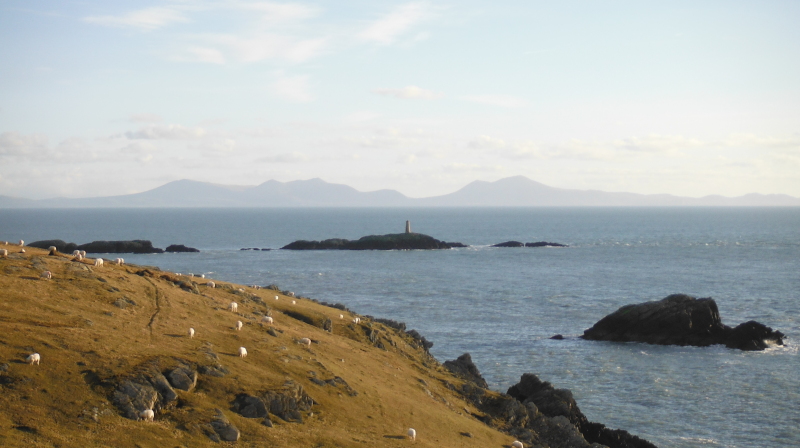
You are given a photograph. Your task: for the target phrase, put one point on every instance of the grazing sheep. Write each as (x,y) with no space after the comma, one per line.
(211,285)
(119,261)
(3,253)
(356,320)
(517,444)
(147,415)
(238,325)
(52,250)
(76,252)
(202,275)
(341,316)
(233,307)
(294,302)
(191,333)
(21,243)
(22,251)
(306,342)
(79,257)
(83,253)
(267,319)
(33,359)
(290,294)
(412,433)
(98,262)
(47,275)
(241,290)
(276,297)
(242,352)
(191,275)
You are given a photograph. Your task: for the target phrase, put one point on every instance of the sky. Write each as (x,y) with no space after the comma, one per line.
(689,98)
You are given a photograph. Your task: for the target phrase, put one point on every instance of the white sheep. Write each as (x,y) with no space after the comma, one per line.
(83,253)
(79,257)
(238,325)
(52,250)
(22,251)
(76,252)
(21,243)
(306,342)
(267,319)
(241,290)
(412,433)
(341,316)
(276,297)
(242,352)
(147,415)
(33,359)
(202,275)
(3,253)
(294,302)
(98,262)
(211,285)
(290,294)
(191,275)
(47,275)
(517,444)
(356,320)
(233,307)
(119,261)
(191,333)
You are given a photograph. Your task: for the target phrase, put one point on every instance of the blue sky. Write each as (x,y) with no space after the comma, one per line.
(689,98)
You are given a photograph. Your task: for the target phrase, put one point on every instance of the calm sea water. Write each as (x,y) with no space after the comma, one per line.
(502,305)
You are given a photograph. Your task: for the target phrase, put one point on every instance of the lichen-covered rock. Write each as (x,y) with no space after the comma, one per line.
(288,402)
(131,398)
(183,378)
(224,428)
(249,406)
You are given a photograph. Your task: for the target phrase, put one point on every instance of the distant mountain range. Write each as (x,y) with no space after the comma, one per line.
(518,191)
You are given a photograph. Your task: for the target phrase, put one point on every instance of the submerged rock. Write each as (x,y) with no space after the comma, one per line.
(544,244)
(680,319)
(509,244)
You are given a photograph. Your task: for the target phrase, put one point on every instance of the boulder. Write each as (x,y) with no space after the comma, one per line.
(183,378)
(680,319)
(249,406)
(288,402)
(180,248)
(224,428)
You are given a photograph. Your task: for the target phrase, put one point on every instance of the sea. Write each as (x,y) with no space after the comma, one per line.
(502,305)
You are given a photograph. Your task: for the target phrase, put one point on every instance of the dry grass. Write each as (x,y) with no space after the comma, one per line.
(86,343)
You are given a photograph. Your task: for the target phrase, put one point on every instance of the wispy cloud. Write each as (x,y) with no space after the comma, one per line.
(400,20)
(15,144)
(166,132)
(507,101)
(143,19)
(293,88)
(410,92)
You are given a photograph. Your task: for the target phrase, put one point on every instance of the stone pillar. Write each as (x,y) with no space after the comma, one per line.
(408,226)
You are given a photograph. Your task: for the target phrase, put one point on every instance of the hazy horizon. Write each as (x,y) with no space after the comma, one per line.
(423,97)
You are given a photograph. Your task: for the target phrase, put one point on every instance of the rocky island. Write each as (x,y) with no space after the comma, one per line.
(111,247)
(114,343)
(394,241)
(680,319)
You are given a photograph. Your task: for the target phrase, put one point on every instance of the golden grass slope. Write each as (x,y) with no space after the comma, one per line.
(87,343)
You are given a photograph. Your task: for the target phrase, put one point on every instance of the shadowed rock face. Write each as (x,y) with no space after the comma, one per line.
(680,319)
(464,367)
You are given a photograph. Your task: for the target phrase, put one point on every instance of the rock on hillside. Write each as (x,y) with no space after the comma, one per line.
(680,320)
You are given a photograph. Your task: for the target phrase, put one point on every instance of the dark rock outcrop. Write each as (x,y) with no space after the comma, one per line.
(465,368)
(179,248)
(545,244)
(183,378)
(224,428)
(395,241)
(680,320)
(288,402)
(120,247)
(559,404)
(148,389)
(249,406)
(509,244)
(61,245)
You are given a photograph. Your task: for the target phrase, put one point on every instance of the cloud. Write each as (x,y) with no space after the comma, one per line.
(222,48)
(410,92)
(486,142)
(280,13)
(507,101)
(144,19)
(207,55)
(292,157)
(145,118)
(292,88)
(390,27)
(14,144)
(166,132)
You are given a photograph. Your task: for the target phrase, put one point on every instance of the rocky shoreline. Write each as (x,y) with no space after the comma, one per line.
(111,247)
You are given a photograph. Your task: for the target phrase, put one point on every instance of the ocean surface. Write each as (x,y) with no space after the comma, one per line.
(503,304)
